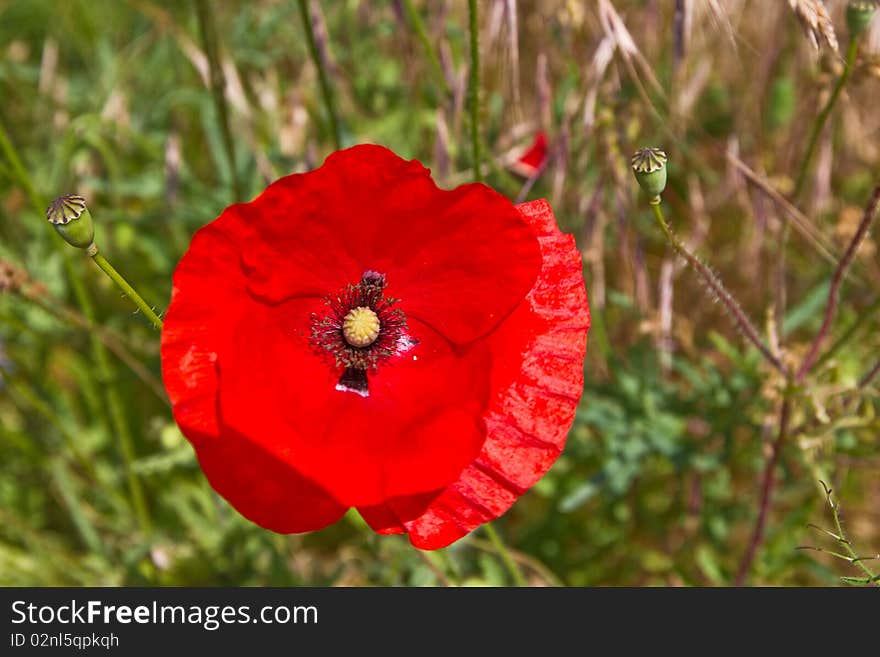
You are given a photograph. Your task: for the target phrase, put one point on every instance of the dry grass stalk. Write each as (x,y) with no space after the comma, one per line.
(513,37)
(614,27)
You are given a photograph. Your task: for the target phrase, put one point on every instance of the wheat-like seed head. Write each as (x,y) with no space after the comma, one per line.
(816,21)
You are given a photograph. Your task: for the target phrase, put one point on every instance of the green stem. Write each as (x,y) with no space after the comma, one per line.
(326,89)
(127,289)
(504,553)
(819,123)
(114,414)
(208,31)
(854,558)
(415,19)
(474,90)
(714,284)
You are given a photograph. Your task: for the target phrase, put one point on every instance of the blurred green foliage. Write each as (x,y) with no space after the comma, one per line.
(659,484)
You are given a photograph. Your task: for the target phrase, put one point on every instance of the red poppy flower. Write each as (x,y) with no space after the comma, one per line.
(357,337)
(534,158)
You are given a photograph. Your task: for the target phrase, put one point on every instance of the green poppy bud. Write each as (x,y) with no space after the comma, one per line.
(649,166)
(858,16)
(72,219)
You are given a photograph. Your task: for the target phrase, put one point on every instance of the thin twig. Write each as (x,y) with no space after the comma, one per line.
(836,282)
(842,539)
(769,482)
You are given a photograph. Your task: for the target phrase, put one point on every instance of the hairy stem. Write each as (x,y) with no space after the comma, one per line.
(208,31)
(836,282)
(127,289)
(714,284)
(474,90)
(502,551)
(822,117)
(769,481)
(326,89)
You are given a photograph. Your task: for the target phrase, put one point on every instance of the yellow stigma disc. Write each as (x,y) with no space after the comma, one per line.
(360,327)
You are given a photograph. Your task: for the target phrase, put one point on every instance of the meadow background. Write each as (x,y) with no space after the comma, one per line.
(661,481)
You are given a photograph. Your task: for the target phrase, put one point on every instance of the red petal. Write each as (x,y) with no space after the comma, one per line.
(534,159)
(367,209)
(385,518)
(415,432)
(208,284)
(539,353)
(209,291)
(264,489)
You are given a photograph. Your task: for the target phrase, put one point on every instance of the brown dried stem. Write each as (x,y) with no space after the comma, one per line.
(836,282)
(769,482)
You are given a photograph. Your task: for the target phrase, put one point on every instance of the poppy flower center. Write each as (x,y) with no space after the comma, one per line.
(360,330)
(360,327)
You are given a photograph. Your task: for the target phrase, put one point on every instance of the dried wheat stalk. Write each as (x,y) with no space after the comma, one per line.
(816,21)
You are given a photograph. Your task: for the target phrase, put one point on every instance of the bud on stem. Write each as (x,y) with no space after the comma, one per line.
(72,220)
(858,16)
(649,167)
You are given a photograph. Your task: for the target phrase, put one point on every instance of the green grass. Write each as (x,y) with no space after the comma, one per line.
(659,484)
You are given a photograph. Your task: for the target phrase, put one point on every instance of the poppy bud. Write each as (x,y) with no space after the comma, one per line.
(858,16)
(649,167)
(71,218)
